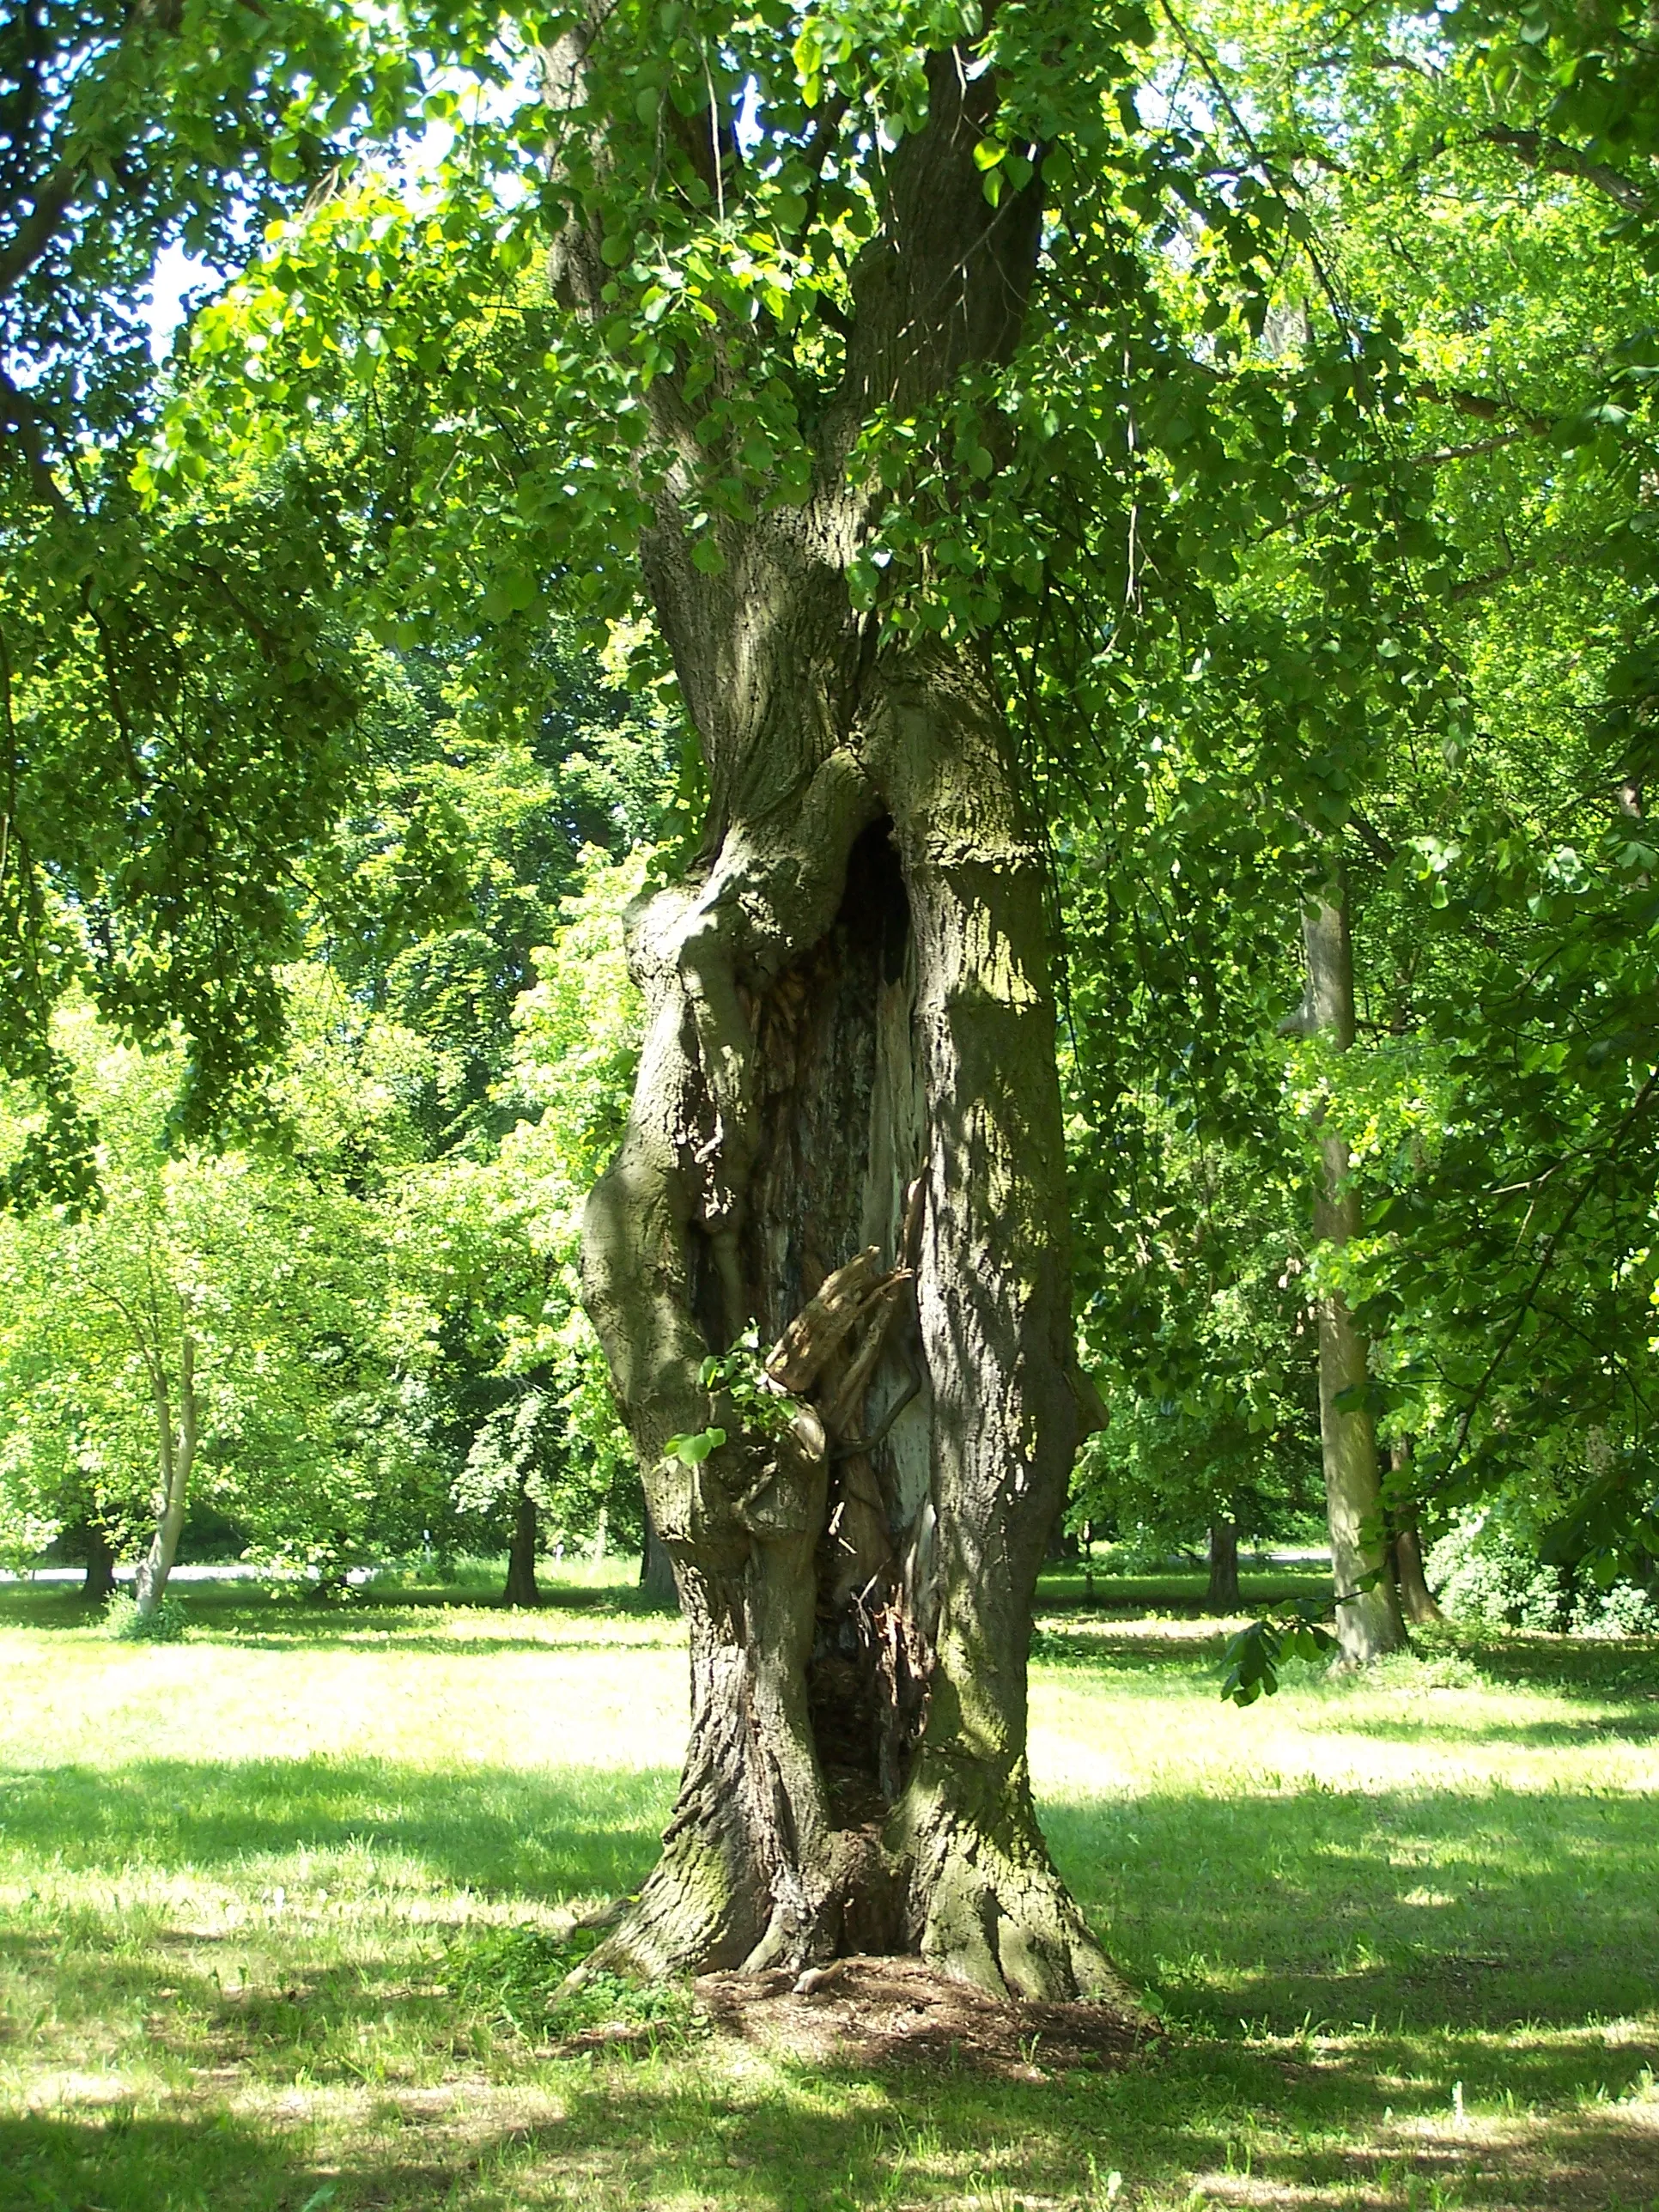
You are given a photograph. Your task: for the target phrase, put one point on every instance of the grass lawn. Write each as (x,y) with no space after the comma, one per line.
(1405,1932)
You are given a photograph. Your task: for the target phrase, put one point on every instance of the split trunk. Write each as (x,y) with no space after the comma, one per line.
(845,1137)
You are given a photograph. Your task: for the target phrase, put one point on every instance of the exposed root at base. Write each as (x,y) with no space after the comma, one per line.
(988,1907)
(899,2011)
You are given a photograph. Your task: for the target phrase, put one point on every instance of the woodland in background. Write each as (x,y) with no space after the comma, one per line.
(1326,572)
(1053,563)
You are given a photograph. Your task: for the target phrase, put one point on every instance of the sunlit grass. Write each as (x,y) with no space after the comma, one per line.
(1404,1931)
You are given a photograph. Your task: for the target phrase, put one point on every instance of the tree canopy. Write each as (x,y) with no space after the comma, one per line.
(880,580)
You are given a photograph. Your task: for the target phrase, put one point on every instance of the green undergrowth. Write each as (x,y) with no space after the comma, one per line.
(168,1623)
(286,1912)
(519,1976)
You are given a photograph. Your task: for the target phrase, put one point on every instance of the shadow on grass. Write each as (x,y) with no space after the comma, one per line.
(654,2134)
(1479,1938)
(496,1831)
(1482,1909)
(341,1635)
(235,1606)
(1467,1909)
(115,2160)
(1638,1724)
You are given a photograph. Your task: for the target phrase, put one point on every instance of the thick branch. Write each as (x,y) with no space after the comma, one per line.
(1555,157)
(805,1349)
(1485,409)
(19,419)
(40,226)
(943,285)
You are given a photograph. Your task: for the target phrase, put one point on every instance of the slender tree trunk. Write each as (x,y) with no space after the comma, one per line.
(1367,1620)
(1222,1596)
(657,1569)
(1417,1600)
(175,1456)
(521,1553)
(100,1581)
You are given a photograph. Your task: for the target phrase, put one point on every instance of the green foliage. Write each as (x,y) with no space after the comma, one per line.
(1485,1572)
(518,1976)
(167,1623)
(265,1271)
(692,1447)
(180,708)
(487,1234)
(1307,524)
(1253,1656)
(736,1378)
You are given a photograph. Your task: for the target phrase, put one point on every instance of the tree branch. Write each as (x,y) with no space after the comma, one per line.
(40,226)
(1559,159)
(19,417)
(1485,409)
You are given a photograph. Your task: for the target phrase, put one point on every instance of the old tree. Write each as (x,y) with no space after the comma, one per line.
(785,322)
(846,1141)
(722,301)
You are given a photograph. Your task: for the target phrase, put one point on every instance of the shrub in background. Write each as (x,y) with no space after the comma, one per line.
(126,1625)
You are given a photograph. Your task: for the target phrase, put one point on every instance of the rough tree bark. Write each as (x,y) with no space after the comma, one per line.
(1222,1596)
(847,1135)
(521,1587)
(175,1453)
(1367,1620)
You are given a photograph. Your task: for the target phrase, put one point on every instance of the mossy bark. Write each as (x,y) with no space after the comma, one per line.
(847,1135)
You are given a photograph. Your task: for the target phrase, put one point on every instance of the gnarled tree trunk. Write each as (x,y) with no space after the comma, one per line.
(846,1137)
(1368,1622)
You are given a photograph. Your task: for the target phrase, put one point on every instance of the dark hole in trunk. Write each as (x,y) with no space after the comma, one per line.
(836,1060)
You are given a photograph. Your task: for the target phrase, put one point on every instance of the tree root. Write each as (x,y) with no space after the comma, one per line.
(988,1906)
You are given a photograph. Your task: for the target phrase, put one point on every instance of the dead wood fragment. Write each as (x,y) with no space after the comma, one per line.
(798,1357)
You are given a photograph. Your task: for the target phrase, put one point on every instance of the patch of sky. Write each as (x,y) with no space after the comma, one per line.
(178,285)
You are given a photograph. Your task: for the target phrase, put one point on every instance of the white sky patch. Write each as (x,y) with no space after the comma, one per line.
(179,276)
(747,127)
